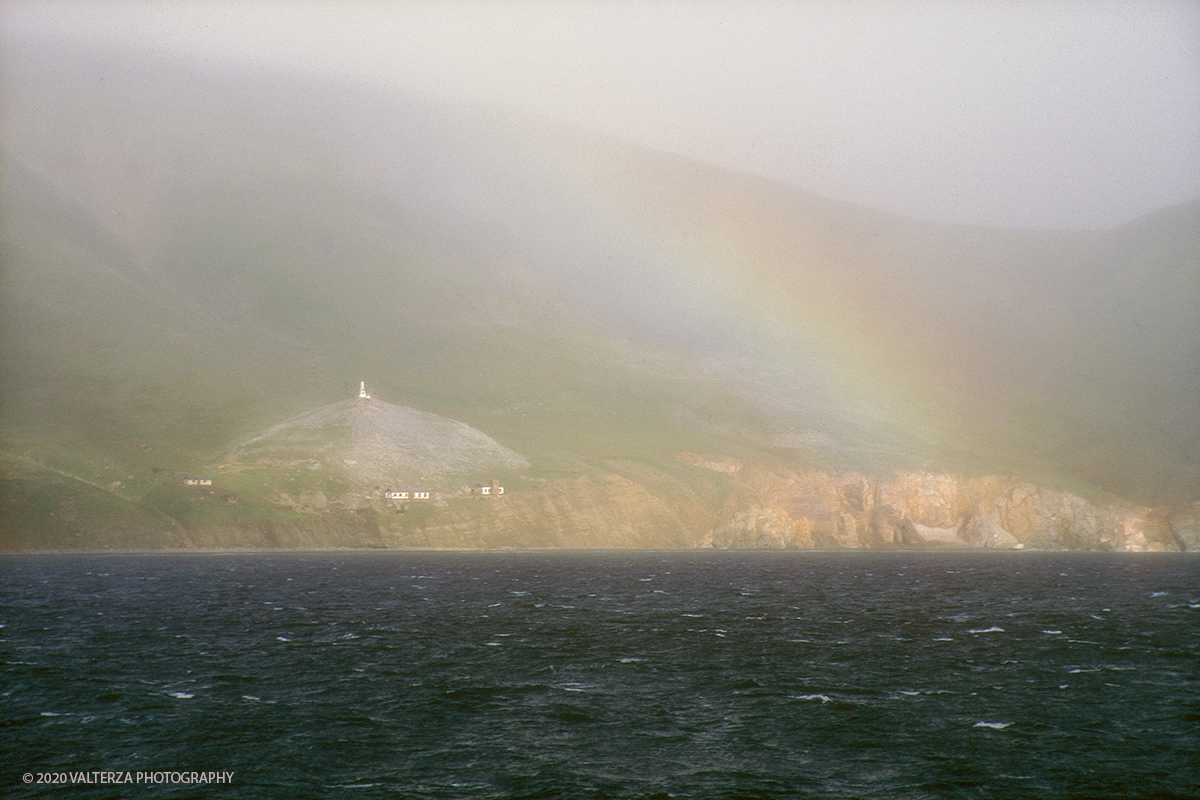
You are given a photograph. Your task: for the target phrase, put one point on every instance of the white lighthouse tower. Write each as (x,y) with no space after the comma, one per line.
(362,391)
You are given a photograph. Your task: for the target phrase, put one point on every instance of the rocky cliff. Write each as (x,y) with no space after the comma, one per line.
(782,506)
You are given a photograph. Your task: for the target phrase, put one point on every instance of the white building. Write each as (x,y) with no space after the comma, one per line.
(401,495)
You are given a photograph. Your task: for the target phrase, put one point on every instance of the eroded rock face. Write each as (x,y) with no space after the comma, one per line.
(1056,520)
(1184,525)
(1161,529)
(789,507)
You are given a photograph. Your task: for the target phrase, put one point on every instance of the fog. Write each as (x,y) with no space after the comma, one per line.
(1036,115)
(761,190)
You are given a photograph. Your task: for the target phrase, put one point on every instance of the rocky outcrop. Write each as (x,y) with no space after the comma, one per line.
(790,507)
(1144,528)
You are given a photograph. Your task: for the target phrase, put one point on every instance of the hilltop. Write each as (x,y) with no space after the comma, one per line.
(370,442)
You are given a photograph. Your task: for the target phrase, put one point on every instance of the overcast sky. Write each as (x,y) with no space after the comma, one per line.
(1031,114)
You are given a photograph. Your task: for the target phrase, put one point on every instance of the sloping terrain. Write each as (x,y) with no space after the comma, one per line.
(192,258)
(367,441)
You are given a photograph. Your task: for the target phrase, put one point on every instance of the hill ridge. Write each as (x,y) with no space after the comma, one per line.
(372,441)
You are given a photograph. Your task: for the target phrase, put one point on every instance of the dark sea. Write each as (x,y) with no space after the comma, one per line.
(601,675)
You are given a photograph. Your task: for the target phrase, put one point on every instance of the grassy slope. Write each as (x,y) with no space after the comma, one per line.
(1067,356)
(271,294)
(263,275)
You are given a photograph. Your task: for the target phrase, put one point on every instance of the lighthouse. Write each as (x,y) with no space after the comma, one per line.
(362,391)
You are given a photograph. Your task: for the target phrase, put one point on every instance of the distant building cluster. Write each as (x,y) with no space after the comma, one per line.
(399,495)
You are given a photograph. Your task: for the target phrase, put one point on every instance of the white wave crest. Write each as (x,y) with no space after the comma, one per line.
(823,698)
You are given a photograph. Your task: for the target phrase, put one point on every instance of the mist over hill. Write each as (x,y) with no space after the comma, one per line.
(191,257)
(369,441)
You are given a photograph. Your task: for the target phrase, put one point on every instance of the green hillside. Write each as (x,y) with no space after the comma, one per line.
(190,258)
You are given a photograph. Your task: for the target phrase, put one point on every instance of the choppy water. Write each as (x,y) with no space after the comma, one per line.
(606,675)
